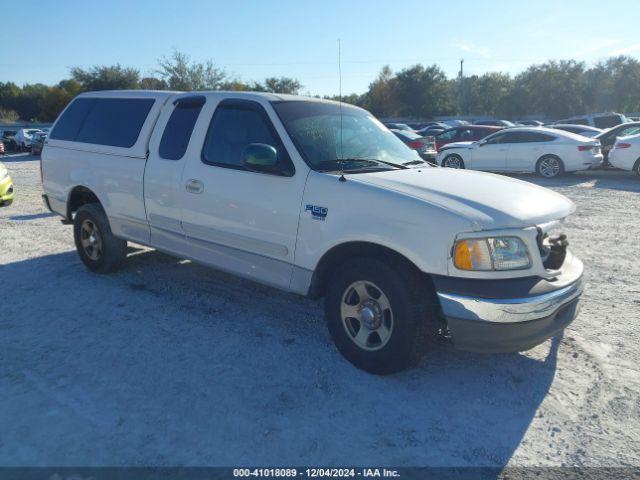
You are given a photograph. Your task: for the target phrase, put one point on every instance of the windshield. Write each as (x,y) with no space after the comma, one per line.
(315,128)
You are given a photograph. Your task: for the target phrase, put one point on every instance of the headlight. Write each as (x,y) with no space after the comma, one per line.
(4,173)
(494,253)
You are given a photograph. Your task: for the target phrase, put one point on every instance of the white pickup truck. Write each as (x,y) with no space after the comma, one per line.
(319,199)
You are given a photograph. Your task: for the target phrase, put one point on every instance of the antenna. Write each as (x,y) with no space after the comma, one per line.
(341,156)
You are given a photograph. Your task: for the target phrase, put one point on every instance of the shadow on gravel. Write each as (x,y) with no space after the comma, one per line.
(170,363)
(34,216)
(18,157)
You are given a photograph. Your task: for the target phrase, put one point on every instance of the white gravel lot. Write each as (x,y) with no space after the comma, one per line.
(170,363)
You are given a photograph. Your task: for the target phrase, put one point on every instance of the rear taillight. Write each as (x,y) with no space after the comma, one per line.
(584,148)
(415,144)
(622,145)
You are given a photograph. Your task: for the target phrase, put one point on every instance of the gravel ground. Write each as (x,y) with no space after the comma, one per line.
(170,363)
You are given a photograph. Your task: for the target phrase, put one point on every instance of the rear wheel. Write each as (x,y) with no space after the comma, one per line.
(378,315)
(549,166)
(636,167)
(453,161)
(97,247)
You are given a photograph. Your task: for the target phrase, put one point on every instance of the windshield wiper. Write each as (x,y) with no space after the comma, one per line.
(368,162)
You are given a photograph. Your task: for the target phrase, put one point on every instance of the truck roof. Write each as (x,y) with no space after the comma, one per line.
(273,97)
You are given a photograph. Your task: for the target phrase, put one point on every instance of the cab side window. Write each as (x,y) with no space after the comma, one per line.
(235,125)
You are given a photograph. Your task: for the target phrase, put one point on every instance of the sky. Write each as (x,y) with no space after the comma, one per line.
(254,39)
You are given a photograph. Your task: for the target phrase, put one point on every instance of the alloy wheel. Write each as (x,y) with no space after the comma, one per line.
(366,315)
(91,239)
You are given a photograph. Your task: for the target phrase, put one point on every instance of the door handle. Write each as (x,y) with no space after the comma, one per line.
(194,186)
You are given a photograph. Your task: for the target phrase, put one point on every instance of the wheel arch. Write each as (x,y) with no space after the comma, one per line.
(78,196)
(352,249)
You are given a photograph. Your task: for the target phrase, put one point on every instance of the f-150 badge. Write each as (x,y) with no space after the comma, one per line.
(317,212)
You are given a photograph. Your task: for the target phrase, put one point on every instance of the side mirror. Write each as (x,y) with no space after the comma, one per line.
(482,143)
(260,157)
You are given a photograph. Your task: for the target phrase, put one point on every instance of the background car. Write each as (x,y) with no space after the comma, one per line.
(23,138)
(495,123)
(546,151)
(466,133)
(424,146)
(7,139)
(529,123)
(37,142)
(608,137)
(6,187)
(598,120)
(584,130)
(625,153)
(398,126)
(432,130)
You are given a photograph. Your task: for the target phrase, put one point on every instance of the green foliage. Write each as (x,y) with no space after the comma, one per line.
(8,115)
(103,77)
(556,89)
(180,73)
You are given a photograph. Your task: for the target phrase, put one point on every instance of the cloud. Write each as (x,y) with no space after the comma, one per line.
(624,51)
(473,48)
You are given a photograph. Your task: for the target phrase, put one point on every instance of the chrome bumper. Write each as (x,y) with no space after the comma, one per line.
(512,324)
(508,310)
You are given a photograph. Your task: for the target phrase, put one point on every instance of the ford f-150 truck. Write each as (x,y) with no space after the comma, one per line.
(320,199)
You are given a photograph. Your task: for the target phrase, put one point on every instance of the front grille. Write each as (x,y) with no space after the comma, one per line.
(553,249)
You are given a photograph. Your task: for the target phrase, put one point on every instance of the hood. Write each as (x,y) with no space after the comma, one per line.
(487,200)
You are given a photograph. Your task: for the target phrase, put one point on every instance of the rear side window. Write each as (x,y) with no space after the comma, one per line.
(104,121)
(177,133)
(530,137)
(72,119)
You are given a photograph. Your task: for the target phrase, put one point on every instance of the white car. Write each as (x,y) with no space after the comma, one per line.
(322,200)
(545,151)
(24,136)
(625,153)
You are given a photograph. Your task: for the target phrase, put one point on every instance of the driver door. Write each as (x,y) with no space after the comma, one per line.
(235,219)
(491,154)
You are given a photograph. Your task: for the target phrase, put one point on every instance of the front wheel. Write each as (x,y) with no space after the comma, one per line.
(97,247)
(377,315)
(549,166)
(453,161)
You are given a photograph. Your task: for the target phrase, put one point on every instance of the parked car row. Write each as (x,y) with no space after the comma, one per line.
(23,140)
(545,151)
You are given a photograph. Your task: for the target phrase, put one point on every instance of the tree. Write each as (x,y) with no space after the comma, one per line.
(53,102)
(153,83)
(29,103)
(420,91)
(379,98)
(553,88)
(103,77)
(181,74)
(7,115)
(280,85)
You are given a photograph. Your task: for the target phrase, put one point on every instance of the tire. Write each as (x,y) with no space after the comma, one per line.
(549,166)
(406,321)
(636,167)
(453,161)
(104,252)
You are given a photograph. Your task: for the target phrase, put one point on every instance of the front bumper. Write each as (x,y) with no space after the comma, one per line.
(530,312)
(6,192)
